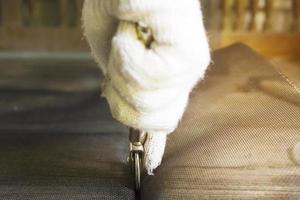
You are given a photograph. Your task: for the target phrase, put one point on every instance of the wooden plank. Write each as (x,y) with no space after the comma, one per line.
(241,24)
(44,13)
(282,16)
(63,13)
(12,13)
(42,38)
(255,10)
(269,44)
(296,15)
(269,15)
(71,12)
(39,37)
(228,15)
(1,12)
(213,14)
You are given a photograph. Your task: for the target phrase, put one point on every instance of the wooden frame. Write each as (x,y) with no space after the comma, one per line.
(258,31)
(284,45)
(228,21)
(17,36)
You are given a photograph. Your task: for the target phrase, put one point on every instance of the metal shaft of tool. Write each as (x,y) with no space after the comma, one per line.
(137,139)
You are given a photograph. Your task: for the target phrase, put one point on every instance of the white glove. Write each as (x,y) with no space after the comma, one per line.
(147,87)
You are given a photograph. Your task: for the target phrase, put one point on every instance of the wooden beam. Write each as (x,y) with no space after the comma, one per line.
(286,45)
(241,15)
(296,15)
(42,38)
(228,15)
(63,9)
(1,12)
(12,16)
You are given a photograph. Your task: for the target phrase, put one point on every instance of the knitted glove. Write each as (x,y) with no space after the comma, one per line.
(148,77)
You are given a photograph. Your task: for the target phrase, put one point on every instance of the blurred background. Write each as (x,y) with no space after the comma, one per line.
(52,28)
(270,26)
(57,136)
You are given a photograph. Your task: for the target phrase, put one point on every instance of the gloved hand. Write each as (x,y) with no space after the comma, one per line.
(148,77)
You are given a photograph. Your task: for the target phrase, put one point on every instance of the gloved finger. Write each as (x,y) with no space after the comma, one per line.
(170,20)
(154,150)
(164,119)
(152,69)
(156,14)
(120,109)
(141,99)
(135,114)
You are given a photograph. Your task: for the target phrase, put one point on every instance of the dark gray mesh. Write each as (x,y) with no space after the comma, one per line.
(237,136)
(236,140)
(57,139)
